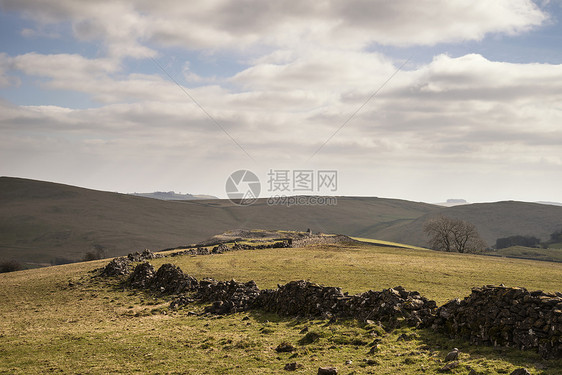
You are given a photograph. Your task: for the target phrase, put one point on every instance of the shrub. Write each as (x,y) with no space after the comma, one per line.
(528,241)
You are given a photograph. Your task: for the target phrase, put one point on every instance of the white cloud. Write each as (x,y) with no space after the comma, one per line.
(468,108)
(128,28)
(307,72)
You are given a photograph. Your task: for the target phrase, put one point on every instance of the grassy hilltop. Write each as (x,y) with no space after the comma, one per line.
(62,319)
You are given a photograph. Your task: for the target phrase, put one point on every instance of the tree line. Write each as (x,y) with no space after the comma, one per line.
(528,241)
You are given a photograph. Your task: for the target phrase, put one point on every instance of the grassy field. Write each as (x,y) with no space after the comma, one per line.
(436,275)
(64,320)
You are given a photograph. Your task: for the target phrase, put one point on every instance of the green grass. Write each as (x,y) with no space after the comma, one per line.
(436,275)
(61,320)
(388,243)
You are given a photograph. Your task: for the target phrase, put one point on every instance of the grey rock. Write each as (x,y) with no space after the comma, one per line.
(293,366)
(327,371)
(449,366)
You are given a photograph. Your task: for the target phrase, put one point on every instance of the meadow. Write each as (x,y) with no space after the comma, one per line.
(65,319)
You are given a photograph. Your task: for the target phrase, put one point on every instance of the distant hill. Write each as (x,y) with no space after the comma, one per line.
(453,202)
(172,196)
(493,220)
(550,203)
(40,221)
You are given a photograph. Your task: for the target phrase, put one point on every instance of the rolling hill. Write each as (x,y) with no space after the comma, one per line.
(41,221)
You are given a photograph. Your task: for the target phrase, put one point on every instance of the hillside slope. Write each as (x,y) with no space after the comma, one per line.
(493,220)
(40,220)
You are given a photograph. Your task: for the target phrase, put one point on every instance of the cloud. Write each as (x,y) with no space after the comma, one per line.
(130,28)
(466,108)
(307,69)
(6,65)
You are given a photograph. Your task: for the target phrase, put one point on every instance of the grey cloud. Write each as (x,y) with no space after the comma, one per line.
(126,26)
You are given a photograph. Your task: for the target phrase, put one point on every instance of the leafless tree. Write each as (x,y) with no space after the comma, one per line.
(453,235)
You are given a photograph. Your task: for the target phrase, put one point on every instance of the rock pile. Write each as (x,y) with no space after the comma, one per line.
(142,276)
(276,245)
(122,265)
(303,298)
(145,255)
(117,267)
(170,279)
(192,251)
(505,316)
(223,248)
(227,296)
(389,305)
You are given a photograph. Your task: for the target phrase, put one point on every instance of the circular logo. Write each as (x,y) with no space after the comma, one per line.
(243,187)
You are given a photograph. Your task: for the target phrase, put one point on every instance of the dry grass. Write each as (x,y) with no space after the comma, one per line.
(62,320)
(436,275)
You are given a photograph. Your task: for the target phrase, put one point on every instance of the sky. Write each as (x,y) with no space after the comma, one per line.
(419,100)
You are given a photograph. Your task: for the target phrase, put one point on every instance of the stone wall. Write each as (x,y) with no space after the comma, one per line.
(498,315)
(303,298)
(491,315)
(321,239)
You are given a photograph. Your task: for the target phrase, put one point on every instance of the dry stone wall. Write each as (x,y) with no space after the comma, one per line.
(491,315)
(498,315)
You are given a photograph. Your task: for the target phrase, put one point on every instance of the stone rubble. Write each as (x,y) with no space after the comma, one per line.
(303,298)
(117,267)
(227,296)
(142,276)
(319,239)
(170,279)
(504,316)
(491,315)
(145,255)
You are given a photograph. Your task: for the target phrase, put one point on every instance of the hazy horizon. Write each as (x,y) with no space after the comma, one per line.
(201,195)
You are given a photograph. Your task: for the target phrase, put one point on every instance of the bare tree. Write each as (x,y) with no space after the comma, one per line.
(453,235)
